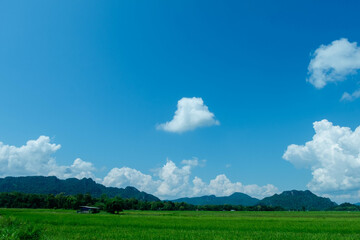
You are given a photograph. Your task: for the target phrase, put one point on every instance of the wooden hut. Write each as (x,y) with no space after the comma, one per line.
(87,209)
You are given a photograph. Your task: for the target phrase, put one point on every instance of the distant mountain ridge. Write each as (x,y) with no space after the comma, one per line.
(346,207)
(298,200)
(289,200)
(70,186)
(234,199)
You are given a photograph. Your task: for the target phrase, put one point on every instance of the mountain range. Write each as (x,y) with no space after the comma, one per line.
(289,200)
(70,186)
(346,207)
(234,199)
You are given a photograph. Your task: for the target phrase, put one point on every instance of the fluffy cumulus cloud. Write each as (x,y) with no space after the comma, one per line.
(172,181)
(123,177)
(222,186)
(79,169)
(191,113)
(334,62)
(333,155)
(35,158)
(168,182)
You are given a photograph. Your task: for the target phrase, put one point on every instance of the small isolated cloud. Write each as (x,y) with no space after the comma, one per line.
(172,181)
(35,158)
(333,156)
(194,162)
(191,113)
(334,62)
(350,97)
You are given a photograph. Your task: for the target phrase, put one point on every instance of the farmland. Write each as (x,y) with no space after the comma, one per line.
(66,224)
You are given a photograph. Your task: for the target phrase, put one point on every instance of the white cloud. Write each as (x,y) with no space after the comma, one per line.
(343,196)
(222,186)
(79,169)
(191,113)
(334,62)
(198,187)
(35,158)
(350,97)
(173,182)
(333,155)
(168,182)
(123,177)
(194,162)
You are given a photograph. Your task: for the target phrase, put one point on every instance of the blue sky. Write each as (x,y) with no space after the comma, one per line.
(98,78)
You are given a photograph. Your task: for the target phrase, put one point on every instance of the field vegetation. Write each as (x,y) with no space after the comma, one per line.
(67,224)
(14,229)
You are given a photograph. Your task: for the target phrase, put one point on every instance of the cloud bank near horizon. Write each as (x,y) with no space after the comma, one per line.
(168,182)
(191,113)
(172,181)
(333,156)
(35,158)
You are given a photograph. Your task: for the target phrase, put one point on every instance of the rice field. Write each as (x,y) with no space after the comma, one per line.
(67,224)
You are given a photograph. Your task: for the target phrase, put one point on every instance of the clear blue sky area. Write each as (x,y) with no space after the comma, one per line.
(97,77)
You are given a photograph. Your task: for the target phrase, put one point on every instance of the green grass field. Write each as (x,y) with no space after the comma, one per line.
(65,224)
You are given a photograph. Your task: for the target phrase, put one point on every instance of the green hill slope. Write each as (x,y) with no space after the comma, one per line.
(298,200)
(70,186)
(346,207)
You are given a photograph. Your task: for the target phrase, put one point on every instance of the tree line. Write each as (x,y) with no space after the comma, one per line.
(111,205)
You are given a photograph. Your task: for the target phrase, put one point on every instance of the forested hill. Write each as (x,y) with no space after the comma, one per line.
(234,199)
(70,186)
(298,200)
